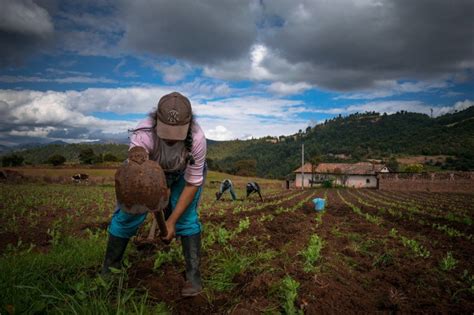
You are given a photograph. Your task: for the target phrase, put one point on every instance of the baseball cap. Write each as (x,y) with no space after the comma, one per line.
(174,115)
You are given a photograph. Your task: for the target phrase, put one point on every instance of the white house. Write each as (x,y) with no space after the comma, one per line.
(357,175)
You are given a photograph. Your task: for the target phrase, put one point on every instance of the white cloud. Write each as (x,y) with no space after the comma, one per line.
(219,133)
(41,132)
(34,113)
(458,106)
(175,72)
(229,116)
(251,116)
(288,88)
(222,118)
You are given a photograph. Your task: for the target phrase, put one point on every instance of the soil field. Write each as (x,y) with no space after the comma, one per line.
(368,252)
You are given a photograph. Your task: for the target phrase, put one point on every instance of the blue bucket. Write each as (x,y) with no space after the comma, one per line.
(319,204)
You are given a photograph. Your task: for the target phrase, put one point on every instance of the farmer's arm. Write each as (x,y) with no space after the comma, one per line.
(194,177)
(184,201)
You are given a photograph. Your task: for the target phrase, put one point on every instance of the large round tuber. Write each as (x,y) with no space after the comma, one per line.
(140,184)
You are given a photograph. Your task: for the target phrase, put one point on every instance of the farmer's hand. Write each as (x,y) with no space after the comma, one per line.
(171,227)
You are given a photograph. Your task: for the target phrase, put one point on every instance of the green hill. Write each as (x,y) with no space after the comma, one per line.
(357,136)
(360,136)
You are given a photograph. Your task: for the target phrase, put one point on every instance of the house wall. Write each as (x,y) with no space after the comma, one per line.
(435,182)
(360,181)
(356,181)
(306,182)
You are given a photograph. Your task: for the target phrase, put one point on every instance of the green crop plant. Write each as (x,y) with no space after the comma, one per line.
(224,266)
(312,253)
(223,235)
(369,217)
(237,209)
(319,219)
(208,235)
(416,247)
(243,225)
(372,218)
(386,259)
(448,263)
(393,232)
(173,254)
(448,230)
(266,217)
(288,292)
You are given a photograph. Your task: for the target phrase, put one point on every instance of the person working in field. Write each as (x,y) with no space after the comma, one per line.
(253,187)
(172,138)
(226,185)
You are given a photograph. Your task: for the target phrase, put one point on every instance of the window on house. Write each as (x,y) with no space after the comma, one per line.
(367,181)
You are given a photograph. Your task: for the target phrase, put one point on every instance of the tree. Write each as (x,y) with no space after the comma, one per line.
(392,164)
(56,159)
(87,156)
(414,168)
(246,167)
(12,160)
(109,157)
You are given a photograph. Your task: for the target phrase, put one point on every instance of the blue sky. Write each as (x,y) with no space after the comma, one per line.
(90,70)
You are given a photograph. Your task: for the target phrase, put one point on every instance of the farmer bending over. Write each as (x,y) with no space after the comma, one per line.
(226,185)
(173,139)
(253,187)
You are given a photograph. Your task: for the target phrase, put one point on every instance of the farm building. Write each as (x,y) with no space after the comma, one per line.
(357,175)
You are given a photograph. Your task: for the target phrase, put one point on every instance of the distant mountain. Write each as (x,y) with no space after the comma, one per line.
(116,141)
(60,142)
(354,138)
(4,149)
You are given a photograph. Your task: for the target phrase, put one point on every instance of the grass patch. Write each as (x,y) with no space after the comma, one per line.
(65,280)
(230,262)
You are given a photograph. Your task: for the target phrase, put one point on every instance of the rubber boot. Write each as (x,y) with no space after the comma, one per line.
(114,253)
(192,256)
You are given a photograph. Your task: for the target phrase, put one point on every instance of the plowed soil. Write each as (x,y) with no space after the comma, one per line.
(364,266)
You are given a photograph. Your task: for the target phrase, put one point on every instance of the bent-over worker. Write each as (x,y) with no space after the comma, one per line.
(254,187)
(173,138)
(226,185)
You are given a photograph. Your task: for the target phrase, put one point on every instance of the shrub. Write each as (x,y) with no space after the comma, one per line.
(12,160)
(109,157)
(56,159)
(414,168)
(327,184)
(87,156)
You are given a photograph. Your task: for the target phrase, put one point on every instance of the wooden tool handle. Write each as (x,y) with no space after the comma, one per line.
(160,218)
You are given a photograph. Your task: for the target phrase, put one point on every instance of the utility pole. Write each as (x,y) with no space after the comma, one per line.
(302,166)
(431,113)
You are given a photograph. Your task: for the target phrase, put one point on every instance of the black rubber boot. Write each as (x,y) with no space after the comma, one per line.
(114,253)
(192,256)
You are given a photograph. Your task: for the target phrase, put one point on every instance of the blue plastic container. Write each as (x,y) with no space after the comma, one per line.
(319,204)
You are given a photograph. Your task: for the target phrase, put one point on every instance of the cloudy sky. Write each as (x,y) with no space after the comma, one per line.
(91,69)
